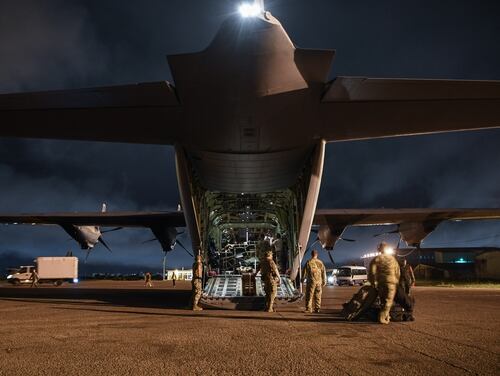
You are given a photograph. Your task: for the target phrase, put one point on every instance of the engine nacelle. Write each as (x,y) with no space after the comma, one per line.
(413,233)
(328,237)
(86,236)
(166,236)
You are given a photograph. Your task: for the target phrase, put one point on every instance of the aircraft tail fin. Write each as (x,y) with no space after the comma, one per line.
(314,65)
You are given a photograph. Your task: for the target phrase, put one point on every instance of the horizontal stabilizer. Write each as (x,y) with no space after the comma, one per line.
(146,113)
(360,108)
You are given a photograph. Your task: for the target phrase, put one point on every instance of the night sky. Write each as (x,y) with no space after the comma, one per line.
(64,44)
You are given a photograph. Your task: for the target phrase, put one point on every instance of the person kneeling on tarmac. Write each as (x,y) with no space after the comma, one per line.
(384,275)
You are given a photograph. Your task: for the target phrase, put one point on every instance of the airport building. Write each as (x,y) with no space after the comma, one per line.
(180,274)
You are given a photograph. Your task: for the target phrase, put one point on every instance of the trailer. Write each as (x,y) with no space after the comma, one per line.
(56,270)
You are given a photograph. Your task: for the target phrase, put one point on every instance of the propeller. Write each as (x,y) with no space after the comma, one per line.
(111,230)
(101,240)
(330,256)
(347,239)
(315,230)
(182,246)
(387,233)
(327,251)
(176,242)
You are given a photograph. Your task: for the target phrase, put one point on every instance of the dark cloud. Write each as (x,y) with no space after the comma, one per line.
(453,170)
(65,44)
(48,44)
(46,175)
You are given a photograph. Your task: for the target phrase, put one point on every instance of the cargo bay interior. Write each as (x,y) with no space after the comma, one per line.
(236,205)
(237,224)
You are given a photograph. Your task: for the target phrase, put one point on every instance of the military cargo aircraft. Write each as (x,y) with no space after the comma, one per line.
(249,118)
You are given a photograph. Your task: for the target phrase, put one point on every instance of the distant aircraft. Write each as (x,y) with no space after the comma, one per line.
(249,117)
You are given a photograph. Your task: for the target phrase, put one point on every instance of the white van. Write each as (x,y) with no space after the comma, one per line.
(351,275)
(20,275)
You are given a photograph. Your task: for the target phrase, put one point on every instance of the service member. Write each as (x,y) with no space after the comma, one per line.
(148,280)
(278,247)
(315,275)
(271,277)
(384,275)
(262,247)
(34,278)
(174,278)
(407,279)
(196,283)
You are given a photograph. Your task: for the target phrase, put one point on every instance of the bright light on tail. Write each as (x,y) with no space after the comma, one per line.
(250,10)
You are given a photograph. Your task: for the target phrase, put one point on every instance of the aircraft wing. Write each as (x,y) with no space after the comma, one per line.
(146,113)
(370,217)
(359,108)
(107,219)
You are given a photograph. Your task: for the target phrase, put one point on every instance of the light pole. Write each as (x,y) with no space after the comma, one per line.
(164,264)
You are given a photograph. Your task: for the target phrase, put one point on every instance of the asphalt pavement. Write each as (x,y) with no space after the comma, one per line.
(122,328)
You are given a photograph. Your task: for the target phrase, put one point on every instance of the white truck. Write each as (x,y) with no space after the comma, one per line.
(54,270)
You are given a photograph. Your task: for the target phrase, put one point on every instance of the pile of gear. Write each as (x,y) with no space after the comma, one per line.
(387,295)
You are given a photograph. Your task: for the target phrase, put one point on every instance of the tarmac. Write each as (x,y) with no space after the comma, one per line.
(122,328)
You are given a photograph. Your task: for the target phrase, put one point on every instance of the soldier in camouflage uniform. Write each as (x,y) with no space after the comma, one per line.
(384,275)
(196,283)
(148,280)
(315,275)
(262,247)
(271,278)
(407,279)
(34,278)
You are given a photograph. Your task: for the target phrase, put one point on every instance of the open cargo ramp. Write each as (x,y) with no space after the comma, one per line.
(227,291)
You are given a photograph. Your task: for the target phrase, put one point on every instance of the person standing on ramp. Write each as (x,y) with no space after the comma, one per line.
(271,278)
(196,284)
(315,275)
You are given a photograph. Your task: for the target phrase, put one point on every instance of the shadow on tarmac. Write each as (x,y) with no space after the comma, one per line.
(139,298)
(227,315)
(103,300)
